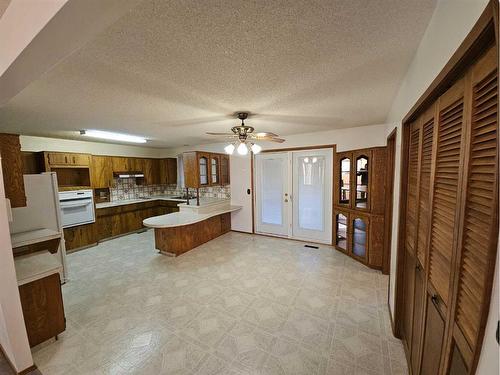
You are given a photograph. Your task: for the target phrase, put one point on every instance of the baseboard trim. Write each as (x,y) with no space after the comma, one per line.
(23,372)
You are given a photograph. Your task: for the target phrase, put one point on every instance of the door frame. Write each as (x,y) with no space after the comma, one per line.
(287,149)
(482,34)
(389,198)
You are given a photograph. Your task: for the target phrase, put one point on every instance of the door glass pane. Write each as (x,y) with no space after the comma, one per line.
(359,237)
(341,240)
(311,192)
(345,172)
(272,191)
(361,182)
(203,171)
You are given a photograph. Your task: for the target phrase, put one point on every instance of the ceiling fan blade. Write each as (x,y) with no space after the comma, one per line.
(265,134)
(277,140)
(224,134)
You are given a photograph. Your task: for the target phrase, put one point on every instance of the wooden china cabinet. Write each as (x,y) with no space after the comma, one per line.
(204,169)
(359,202)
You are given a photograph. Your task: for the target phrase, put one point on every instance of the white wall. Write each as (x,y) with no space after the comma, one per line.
(29,143)
(451,22)
(13,337)
(345,139)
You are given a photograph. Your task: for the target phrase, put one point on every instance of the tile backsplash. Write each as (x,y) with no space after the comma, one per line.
(127,188)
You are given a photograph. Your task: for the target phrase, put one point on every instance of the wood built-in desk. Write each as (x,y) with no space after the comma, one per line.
(182,231)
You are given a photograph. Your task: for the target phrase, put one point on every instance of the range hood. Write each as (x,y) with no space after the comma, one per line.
(128,174)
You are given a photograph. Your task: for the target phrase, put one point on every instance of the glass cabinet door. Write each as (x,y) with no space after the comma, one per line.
(359,236)
(214,168)
(341,231)
(345,181)
(362,182)
(203,170)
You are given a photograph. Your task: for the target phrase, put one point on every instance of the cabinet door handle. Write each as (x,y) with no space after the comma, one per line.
(418,267)
(435,300)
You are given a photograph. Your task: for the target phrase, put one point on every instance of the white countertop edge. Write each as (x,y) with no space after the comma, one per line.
(189,217)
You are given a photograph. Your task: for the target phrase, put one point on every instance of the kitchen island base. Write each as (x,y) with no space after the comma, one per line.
(174,241)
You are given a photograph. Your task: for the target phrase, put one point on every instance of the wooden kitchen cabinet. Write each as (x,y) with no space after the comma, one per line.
(80,236)
(12,168)
(203,169)
(102,171)
(121,164)
(151,171)
(73,170)
(43,308)
(66,159)
(168,171)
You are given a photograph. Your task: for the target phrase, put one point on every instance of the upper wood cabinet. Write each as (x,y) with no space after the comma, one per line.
(168,171)
(121,164)
(73,170)
(66,159)
(203,169)
(102,171)
(360,179)
(12,168)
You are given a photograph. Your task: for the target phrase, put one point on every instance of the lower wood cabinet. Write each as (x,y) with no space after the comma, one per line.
(43,308)
(360,235)
(178,240)
(115,221)
(82,235)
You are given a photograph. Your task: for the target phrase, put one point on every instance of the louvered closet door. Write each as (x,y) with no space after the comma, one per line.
(479,224)
(410,236)
(411,203)
(425,183)
(446,188)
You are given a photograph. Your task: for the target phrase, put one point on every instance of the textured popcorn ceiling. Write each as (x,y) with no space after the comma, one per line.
(172,70)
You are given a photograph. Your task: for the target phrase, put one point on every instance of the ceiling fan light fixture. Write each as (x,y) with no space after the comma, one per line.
(242,149)
(256,148)
(229,149)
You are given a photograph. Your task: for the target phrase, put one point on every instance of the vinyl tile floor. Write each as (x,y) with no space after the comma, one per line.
(239,304)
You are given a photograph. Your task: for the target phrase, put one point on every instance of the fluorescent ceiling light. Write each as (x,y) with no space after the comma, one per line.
(112,136)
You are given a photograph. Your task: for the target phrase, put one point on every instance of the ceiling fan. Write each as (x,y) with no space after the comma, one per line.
(244,135)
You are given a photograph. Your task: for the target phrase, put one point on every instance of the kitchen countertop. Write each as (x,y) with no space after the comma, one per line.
(33,236)
(36,266)
(181,218)
(141,200)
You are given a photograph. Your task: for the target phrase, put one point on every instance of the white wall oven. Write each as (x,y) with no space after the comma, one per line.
(77,207)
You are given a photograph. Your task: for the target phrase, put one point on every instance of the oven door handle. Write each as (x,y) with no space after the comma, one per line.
(68,205)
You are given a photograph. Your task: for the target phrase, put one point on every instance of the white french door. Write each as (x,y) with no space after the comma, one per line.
(294,194)
(271,185)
